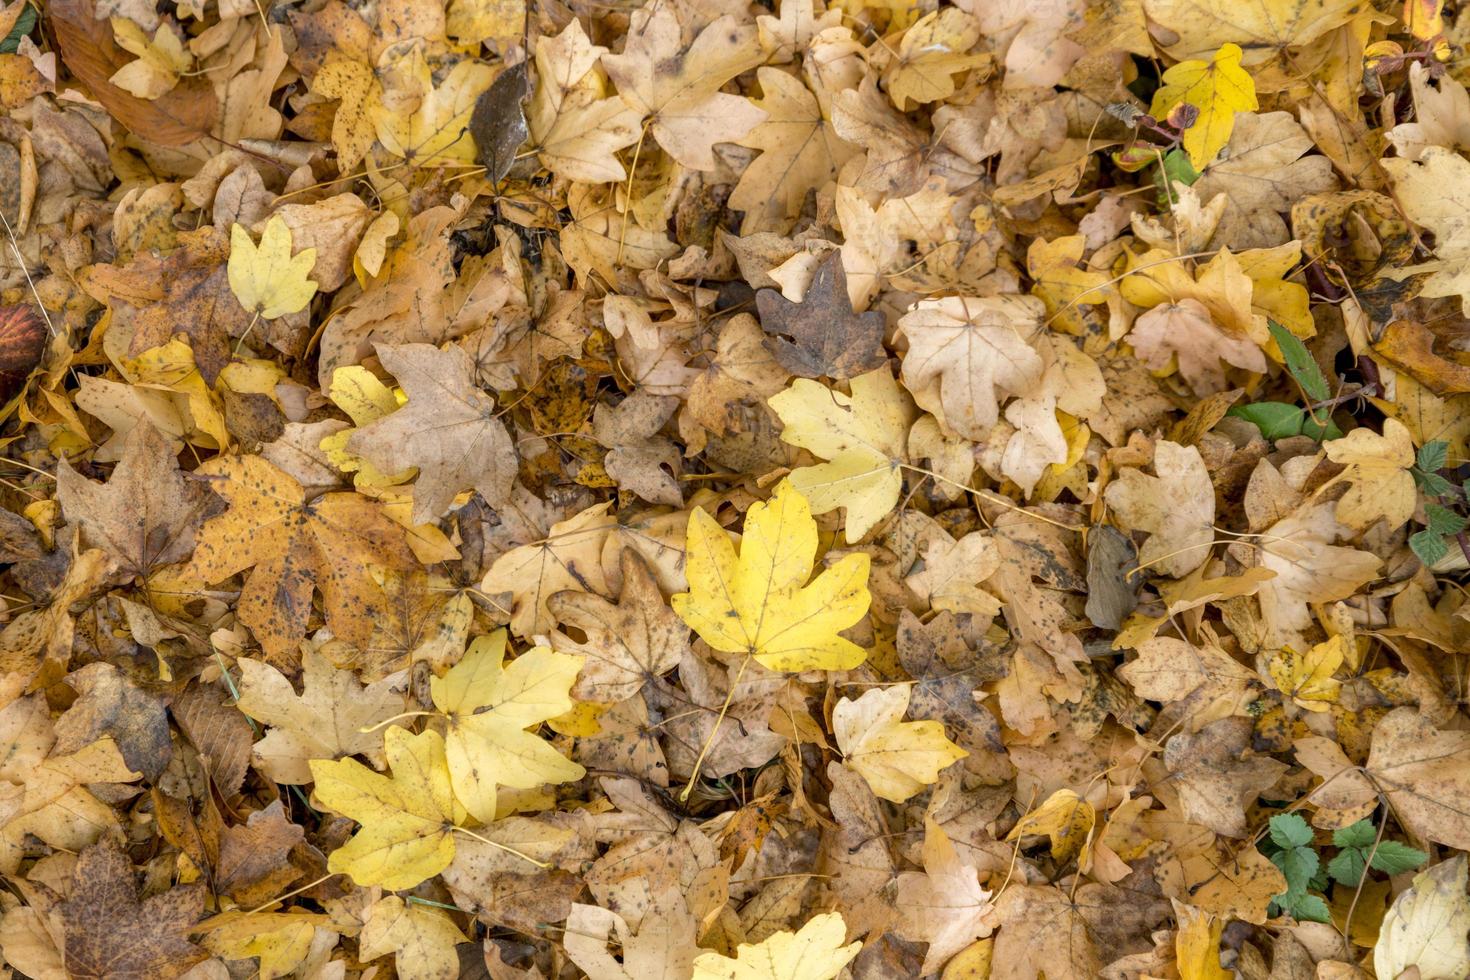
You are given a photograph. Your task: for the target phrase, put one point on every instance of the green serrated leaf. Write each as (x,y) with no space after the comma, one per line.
(1290,830)
(1298,865)
(1309,908)
(1300,363)
(1360,834)
(1395,857)
(1433,455)
(1348,867)
(1428,547)
(1432,484)
(1442,520)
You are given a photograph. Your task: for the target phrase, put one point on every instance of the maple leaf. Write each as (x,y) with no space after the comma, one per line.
(932,51)
(813,952)
(1262,28)
(576,134)
(421,939)
(1377,466)
(569,558)
(663,947)
(268,280)
(678,85)
(431,128)
(1306,678)
(111,934)
(1431,193)
(146,514)
(1424,930)
(281,940)
(325,721)
(1422,772)
(407,819)
(800,153)
(1045,930)
(1206,682)
(1217,89)
(488,707)
(861,436)
(945,906)
(293,546)
(952,572)
(1066,819)
(759,602)
(448,429)
(1217,776)
(897,758)
(966,354)
(1184,335)
(1177,507)
(828,338)
(253,861)
(1308,567)
(628,644)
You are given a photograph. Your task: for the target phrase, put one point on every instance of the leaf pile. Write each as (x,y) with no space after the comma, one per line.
(696,489)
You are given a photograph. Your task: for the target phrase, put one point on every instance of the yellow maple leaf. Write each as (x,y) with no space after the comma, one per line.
(407,819)
(1218,89)
(1065,818)
(428,126)
(759,602)
(861,436)
(489,706)
(268,280)
(365,399)
(281,939)
(1307,678)
(896,757)
(421,939)
(1197,944)
(1377,466)
(815,952)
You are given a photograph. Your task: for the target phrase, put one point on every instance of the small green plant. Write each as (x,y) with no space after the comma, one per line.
(1278,420)
(1441,522)
(1289,844)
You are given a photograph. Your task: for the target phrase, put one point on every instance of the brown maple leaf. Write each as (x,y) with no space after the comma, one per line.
(629,643)
(449,430)
(828,338)
(294,546)
(111,935)
(111,704)
(146,514)
(252,864)
(185,291)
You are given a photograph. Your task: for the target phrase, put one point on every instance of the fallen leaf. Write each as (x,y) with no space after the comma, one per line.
(897,758)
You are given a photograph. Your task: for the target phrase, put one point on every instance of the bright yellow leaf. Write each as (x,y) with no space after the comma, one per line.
(281,939)
(897,758)
(421,939)
(1306,678)
(1197,944)
(862,437)
(267,280)
(407,819)
(759,602)
(489,706)
(1066,818)
(815,952)
(1218,88)
(432,130)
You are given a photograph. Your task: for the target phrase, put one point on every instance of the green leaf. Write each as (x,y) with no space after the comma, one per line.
(1395,857)
(1432,484)
(1175,166)
(1348,867)
(24,24)
(1320,427)
(1428,546)
(1444,521)
(1433,455)
(1298,864)
(1360,834)
(1309,908)
(1300,363)
(1276,420)
(1290,830)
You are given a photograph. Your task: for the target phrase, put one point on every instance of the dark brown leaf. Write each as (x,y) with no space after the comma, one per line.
(827,337)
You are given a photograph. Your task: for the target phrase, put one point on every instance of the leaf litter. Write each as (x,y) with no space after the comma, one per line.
(706,490)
